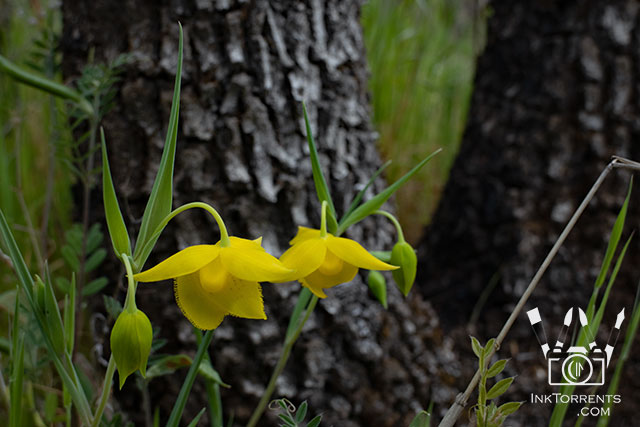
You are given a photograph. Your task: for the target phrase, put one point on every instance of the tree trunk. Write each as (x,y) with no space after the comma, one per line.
(242,148)
(555,96)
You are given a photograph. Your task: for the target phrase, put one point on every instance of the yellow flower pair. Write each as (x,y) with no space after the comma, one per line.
(212,281)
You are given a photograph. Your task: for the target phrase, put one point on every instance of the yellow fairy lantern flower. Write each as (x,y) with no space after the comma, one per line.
(212,281)
(322,260)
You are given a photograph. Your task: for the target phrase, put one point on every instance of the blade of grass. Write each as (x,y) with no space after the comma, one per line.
(372,205)
(161,197)
(322,190)
(360,195)
(629,338)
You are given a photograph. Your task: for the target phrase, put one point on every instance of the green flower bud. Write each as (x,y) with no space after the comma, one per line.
(378,286)
(131,343)
(404,257)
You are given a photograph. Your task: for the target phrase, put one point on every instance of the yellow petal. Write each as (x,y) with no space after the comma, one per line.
(239,242)
(213,276)
(184,262)
(304,233)
(199,306)
(316,290)
(253,265)
(242,298)
(351,251)
(305,257)
(317,281)
(331,265)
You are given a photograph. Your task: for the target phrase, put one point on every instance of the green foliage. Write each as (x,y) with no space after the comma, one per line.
(378,287)
(489,414)
(595,310)
(422,59)
(290,417)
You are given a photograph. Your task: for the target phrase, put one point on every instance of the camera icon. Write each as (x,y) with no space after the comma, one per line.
(576,367)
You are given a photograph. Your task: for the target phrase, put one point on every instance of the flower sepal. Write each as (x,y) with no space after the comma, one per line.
(131,338)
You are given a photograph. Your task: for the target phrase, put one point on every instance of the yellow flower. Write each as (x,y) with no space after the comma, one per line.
(212,281)
(322,262)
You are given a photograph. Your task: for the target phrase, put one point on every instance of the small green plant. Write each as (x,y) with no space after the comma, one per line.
(290,417)
(491,415)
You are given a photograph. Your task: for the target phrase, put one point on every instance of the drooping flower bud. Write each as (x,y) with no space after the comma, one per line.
(131,338)
(405,257)
(378,286)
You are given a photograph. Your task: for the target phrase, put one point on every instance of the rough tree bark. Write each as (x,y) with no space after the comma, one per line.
(556,94)
(248,66)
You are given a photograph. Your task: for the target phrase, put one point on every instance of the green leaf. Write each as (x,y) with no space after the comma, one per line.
(315,422)
(509,408)
(496,368)
(499,388)
(115,222)
(322,190)
(167,365)
(477,348)
(404,256)
(303,299)
(488,348)
(616,233)
(287,420)
(94,286)
(207,370)
(70,257)
(63,284)
(69,319)
(16,382)
(161,198)
(422,419)
(94,237)
(372,205)
(384,256)
(95,259)
(361,193)
(195,420)
(112,305)
(302,412)
(482,394)
(45,84)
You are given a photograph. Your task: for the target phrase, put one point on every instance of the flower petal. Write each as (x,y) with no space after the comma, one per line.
(316,290)
(239,242)
(317,281)
(242,298)
(254,265)
(185,262)
(353,253)
(200,307)
(304,233)
(305,256)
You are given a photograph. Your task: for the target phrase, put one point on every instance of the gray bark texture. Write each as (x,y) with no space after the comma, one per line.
(242,148)
(555,96)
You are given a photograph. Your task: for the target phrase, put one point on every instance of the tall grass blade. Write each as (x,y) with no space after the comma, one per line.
(322,190)
(161,197)
(373,204)
(360,195)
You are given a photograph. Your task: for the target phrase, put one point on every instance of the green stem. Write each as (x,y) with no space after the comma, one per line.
(213,392)
(284,356)
(323,219)
(224,235)
(395,222)
(181,401)
(106,390)
(130,301)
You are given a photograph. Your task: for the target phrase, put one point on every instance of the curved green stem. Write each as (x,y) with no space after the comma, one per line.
(395,222)
(181,401)
(282,361)
(146,250)
(323,219)
(106,390)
